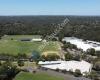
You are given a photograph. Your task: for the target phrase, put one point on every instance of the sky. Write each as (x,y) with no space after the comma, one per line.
(49,7)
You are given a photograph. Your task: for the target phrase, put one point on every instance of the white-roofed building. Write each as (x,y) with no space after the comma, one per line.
(81,44)
(83,66)
(36,39)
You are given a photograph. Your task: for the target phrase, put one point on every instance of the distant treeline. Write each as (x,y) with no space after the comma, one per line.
(86,27)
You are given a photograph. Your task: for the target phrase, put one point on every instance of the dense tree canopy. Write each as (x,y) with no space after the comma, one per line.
(86,27)
(91,51)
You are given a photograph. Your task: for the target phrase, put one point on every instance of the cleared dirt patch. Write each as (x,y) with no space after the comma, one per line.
(50,53)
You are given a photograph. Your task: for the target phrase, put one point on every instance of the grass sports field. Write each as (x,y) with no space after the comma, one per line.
(36,76)
(15,46)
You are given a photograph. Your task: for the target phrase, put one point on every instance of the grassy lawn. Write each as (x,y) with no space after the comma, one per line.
(26,65)
(14,47)
(36,76)
(51,46)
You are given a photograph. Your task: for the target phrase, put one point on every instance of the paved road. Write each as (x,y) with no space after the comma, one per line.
(54,73)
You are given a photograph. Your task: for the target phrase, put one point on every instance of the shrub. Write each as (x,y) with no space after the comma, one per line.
(57,70)
(68,57)
(77,73)
(20,63)
(71,71)
(91,51)
(97,66)
(93,76)
(77,57)
(64,71)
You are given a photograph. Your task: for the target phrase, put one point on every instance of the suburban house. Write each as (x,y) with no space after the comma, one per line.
(83,66)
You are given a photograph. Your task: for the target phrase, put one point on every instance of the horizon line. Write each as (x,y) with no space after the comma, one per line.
(47,15)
